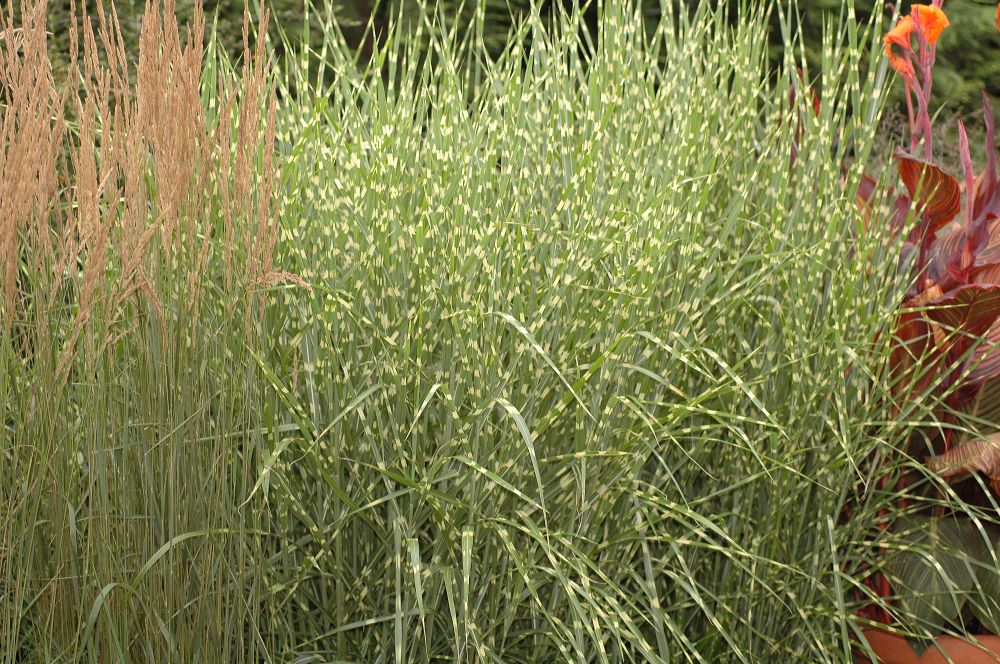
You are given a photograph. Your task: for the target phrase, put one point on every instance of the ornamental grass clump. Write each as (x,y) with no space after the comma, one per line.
(137,228)
(561,353)
(572,383)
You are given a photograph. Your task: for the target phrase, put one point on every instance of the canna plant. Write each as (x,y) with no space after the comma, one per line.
(945,351)
(953,250)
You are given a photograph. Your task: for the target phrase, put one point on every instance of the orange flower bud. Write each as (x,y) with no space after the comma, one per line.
(897,44)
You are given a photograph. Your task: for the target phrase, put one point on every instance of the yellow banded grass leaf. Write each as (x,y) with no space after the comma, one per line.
(911,341)
(931,571)
(978,456)
(937,192)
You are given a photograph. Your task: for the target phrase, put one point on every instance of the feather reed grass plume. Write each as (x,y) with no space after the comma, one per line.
(120,203)
(31,135)
(136,209)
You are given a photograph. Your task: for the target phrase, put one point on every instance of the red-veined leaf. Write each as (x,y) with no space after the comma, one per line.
(937,192)
(982,456)
(972,309)
(987,199)
(864,199)
(991,252)
(866,189)
(988,276)
(976,226)
(900,213)
(987,402)
(985,358)
(947,247)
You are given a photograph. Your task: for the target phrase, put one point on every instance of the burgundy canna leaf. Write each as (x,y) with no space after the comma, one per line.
(868,197)
(942,329)
(990,254)
(938,193)
(970,309)
(966,159)
(987,200)
(988,275)
(901,210)
(982,455)
(976,228)
(985,358)
(866,189)
(945,252)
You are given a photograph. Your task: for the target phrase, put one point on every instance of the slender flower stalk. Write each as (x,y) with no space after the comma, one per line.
(915,65)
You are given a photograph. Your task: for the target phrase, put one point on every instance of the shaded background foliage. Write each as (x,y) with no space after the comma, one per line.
(967,57)
(967,53)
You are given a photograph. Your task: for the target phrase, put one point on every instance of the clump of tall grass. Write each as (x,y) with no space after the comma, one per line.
(588,371)
(584,370)
(137,225)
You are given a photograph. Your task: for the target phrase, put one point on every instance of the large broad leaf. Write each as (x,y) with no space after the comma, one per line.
(946,251)
(963,320)
(985,597)
(932,572)
(978,456)
(866,189)
(900,215)
(939,330)
(934,190)
(988,276)
(985,358)
(970,310)
(987,199)
(990,254)
(986,405)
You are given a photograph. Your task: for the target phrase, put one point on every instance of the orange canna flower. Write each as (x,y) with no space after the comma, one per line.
(930,20)
(998,17)
(897,45)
